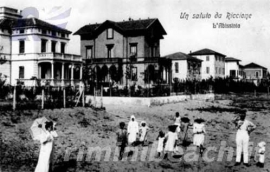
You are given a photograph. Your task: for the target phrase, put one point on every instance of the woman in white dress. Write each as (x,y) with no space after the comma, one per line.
(133,130)
(198,133)
(46,141)
(171,138)
(143,132)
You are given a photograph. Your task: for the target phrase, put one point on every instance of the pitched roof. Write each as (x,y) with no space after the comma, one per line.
(181,56)
(206,52)
(125,27)
(231,59)
(29,22)
(253,65)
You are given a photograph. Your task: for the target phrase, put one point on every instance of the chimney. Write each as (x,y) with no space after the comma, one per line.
(129,19)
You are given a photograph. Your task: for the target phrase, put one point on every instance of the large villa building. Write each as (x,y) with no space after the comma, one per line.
(31,48)
(213,63)
(125,52)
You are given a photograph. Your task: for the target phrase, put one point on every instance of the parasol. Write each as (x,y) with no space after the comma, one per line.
(38,127)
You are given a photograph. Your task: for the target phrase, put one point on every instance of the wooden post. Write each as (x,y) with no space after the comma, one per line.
(101,96)
(14,98)
(83,100)
(268,91)
(64,97)
(94,100)
(42,99)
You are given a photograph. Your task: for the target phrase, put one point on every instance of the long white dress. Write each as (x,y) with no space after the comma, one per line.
(45,151)
(160,144)
(133,129)
(171,139)
(198,131)
(143,133)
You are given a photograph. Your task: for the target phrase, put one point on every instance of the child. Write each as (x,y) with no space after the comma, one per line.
(122,139)
(171,138)
(198,133)
(177,121)
(261,154)
(160,147)
(143,132)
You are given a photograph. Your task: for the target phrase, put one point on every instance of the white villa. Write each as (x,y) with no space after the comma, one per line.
(213,63)
(31,48)
(233,68)
(185,66)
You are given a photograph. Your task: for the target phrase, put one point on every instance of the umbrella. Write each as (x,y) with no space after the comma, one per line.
(38,128)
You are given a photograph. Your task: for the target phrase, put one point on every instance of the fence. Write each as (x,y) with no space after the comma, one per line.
(180,87)
(41,97)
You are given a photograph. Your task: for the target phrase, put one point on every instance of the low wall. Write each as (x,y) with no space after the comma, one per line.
(147,101)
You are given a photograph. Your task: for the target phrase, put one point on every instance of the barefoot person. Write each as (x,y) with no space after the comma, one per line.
(160,147)
(171,138)
(177,121)
(121,139)
(46,141)
(244,127)
(143,132)
(198,133)
(133,130)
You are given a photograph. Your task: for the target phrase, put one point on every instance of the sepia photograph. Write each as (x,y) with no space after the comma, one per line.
(134,86)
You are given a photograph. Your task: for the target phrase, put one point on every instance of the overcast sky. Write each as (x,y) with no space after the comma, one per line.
(249,43)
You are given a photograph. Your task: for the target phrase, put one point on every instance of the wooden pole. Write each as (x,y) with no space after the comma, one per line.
(268,91)
(14,98)
(42,99)
(64,97)
(101,96)
(83,100)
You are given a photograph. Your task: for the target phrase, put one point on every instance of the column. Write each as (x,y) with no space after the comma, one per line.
(63,74)
(72,75)
(81,72)
(52,73)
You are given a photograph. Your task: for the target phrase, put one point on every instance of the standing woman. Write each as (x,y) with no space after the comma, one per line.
(198,133)
(244,128)
(133,130)
(46,141)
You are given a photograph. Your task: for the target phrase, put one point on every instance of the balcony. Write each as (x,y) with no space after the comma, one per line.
(59,56)
(104,60)
(48,82)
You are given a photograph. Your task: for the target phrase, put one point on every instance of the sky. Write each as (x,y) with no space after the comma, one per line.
(249,43)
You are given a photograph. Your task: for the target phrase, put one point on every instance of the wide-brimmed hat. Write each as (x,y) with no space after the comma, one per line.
(185,119)
(199,120)
(172,128)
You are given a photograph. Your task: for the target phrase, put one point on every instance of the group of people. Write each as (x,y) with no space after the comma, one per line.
(168,143)
(136,134)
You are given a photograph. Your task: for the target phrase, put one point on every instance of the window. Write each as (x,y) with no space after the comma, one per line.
(134,74)
(88,52)
(216,70)
(54,46)
(63,47)
(110,33)
(21,30)
(53,33)
(223,71)
(63,35)
(220,70)
(44,32)
(21,72)
(110,50)
(133,49)
(21,46)
(257,74)
(207,58)
(207,70)
(176,65)
(43,45)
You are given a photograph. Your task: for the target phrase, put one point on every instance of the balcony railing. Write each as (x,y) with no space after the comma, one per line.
(104,60)
(60,56)
(46,82)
